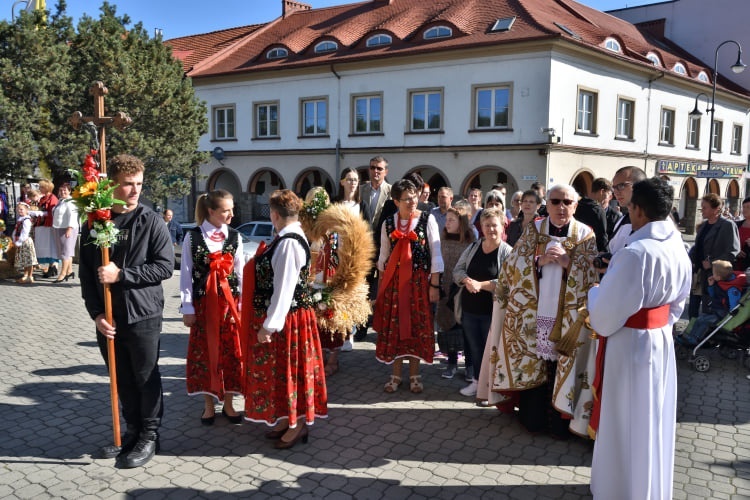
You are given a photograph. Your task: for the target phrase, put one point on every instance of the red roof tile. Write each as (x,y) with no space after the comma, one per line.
(195,48)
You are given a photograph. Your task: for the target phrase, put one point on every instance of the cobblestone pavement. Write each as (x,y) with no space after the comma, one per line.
(54,415)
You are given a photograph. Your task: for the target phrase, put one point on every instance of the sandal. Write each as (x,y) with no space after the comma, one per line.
(416,386)
(392,384)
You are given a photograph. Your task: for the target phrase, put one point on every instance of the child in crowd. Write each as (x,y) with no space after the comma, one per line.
(725,289)
(25,251)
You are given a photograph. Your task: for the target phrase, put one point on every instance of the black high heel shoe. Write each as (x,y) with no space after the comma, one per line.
(208,420)
(236,419)
(66,278)
(285,445)
(51,272)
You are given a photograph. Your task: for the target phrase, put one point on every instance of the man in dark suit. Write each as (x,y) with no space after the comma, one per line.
(592,214)
(601,192)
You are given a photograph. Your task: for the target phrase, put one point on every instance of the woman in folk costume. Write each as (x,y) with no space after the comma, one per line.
(540,356)
(44,234)
(341,244)
(410,262)
(210,284)
(24,245)
(284,378)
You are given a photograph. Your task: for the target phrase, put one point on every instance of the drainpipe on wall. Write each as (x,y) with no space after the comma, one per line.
(338,129)
(648,122)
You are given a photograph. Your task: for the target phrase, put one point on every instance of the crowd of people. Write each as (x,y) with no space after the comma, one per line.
(562,305)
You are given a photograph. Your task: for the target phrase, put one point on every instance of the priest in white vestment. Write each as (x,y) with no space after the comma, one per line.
(639,299)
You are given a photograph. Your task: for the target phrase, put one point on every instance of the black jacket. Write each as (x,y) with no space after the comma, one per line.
(592,214)
(146,260)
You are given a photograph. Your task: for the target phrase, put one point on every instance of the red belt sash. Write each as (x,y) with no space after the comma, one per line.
(399,262)
(644,319)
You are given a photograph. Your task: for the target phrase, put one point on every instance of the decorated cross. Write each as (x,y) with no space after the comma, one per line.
(94,196)
(120,120)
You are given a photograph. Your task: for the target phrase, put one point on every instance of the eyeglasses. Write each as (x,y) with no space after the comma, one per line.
(376,168)
(621,186)
(411,199)
(557,201)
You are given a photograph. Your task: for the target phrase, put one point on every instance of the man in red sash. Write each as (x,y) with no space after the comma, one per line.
(639,299)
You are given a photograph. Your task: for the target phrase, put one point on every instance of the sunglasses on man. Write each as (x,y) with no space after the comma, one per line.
(557,201)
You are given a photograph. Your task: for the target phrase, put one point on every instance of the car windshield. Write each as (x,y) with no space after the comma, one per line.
(264,230)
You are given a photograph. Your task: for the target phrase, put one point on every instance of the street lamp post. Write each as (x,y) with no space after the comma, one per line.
(737,67)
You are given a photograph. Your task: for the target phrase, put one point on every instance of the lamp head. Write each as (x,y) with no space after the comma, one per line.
(696,113)
(739,66)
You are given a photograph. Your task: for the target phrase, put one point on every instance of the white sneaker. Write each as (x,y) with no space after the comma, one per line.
(470,390)
(347,346)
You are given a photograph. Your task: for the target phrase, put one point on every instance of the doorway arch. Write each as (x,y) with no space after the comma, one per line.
(312,177)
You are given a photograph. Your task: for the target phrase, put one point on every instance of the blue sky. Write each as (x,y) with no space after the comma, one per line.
(189,17)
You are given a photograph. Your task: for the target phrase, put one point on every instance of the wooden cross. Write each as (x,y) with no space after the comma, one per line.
(99,123)
(120,120)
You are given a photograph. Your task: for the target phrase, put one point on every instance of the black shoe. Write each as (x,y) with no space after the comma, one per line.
(143,451)
(361,334)
(51,272)
(236,419)
(208,420)
(128,442)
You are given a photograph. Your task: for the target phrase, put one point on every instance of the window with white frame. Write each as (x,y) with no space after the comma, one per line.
(314,117)
(267,119)
(224,122)
(426,110)
(625,114)
(694,132)
(654,59)
(716,135)
(368,114)
(679,68)
(702,76)
(326,46)
(277,53)
(666,128)
(737,139)
(379,40)
(438,32)
(586,113)
(492,107)
(612,44)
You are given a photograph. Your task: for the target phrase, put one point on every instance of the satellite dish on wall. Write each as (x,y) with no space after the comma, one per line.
(218,153)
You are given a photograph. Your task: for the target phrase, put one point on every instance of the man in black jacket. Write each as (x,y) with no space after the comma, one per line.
(591,213)
(140,260)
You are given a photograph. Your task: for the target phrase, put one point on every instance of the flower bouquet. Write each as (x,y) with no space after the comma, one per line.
(94,197)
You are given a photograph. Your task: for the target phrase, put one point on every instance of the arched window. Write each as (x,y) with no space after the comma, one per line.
(612,44)
(654,59)
(277,53)
(379,40)
(702,76)
(326,46)
(680,69)
(438,32)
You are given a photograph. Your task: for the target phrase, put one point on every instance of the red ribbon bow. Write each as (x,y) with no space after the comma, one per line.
(401,261)
(220,267)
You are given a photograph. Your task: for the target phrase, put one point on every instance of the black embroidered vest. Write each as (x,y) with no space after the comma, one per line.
(420,249)
(264,278)
(202,264)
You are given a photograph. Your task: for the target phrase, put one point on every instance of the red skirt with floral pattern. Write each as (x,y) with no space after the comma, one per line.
(230,359)
(285,378)
(421,342)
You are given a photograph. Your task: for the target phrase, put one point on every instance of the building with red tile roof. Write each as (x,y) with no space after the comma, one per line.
(466,92)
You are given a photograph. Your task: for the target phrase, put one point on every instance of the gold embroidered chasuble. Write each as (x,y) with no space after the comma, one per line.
(511,359)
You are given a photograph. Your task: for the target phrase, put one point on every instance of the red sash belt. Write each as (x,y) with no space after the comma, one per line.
(649,317)
(399,262)
(220,267)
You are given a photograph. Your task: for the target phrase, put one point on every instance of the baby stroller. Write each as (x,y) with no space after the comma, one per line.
(730,336)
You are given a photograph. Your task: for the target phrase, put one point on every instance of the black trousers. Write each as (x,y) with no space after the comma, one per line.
(535,410)
(137,367)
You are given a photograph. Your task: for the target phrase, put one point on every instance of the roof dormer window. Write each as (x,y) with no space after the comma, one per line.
(654,59)
(277,53)
(438,32)
(326,46)
(504,24)
(679,68)
(612,44)
(702,76)
(379,40)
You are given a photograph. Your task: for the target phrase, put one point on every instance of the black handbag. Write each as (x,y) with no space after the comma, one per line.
(451,340)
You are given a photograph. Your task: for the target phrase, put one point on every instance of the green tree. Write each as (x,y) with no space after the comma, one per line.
(46,70)
(35,98)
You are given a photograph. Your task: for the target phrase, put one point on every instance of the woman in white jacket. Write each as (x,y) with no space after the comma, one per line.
(66,225)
